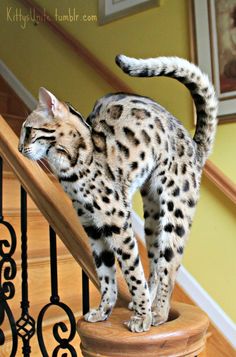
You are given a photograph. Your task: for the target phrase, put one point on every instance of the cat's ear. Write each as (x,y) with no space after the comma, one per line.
(49,102)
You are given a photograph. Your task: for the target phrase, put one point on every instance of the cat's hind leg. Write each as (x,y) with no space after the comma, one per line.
(175,219)
(152,229)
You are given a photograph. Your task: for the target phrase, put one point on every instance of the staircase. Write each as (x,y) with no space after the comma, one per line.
(69,272)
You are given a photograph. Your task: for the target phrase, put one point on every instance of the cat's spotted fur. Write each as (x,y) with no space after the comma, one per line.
(129,142)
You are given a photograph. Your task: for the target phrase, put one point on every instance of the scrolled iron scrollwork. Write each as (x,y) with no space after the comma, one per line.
(7,288)
(64,343)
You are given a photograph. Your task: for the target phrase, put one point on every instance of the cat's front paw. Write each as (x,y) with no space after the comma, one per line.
(158,319)
(139,323)
(96,315)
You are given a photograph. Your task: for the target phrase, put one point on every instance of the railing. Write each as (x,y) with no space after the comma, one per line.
(47,197)
(211,171)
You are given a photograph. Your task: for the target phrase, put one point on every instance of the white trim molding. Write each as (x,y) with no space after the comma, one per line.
(195,291)
(17,86)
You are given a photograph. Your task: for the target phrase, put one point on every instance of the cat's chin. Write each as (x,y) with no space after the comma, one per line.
(33,156)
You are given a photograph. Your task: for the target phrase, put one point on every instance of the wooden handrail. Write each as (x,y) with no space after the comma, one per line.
(216,176)
(224,184)
(54,205)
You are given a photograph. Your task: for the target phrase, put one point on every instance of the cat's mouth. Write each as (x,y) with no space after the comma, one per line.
(30,154)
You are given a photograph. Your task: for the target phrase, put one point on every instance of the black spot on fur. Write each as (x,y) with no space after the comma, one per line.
(136,262)
(107,128)
(109,191)
(158,139)
(168,227)
(146,137)
(121,214)
(89,207)
(179,213)
(156,216)
(170,183)
(99,141)
(142,155)
(117,197)
(138,101)
(123,148)
(179,230)
(126,256)
(180,150)
(96,205)
(134,165)
(184,169)
(148,231)
(163,180)
(131,136)
(71,178)
(93,232)
(97,259)
(160,190)
(176,192)
(108,258)
(191,203)
(127,240)
(186,186)
(115,111)
(168,254)
(170,206)
(109,229)
(80,212)
(159,124)
(180,250)
(150,255)
(194,180)
(106,199)
(109,173)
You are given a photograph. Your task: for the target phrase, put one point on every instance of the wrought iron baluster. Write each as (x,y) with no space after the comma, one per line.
(7,274)
(26,323)
(85,292)
(63,343)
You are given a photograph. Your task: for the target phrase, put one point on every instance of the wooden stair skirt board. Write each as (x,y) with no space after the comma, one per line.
(183,335)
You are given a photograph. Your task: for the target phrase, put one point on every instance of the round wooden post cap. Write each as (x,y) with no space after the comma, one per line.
(184,334)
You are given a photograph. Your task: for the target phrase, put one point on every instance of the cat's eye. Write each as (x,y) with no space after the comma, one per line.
(27,131)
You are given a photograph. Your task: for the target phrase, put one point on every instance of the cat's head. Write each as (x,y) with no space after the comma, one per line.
(53,125)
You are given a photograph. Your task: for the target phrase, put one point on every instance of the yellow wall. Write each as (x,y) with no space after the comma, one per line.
(38,58)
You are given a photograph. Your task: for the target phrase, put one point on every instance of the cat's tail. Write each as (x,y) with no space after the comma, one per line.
(194,79)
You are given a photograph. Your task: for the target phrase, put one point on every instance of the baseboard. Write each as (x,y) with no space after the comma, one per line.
(195,291)
(17,86)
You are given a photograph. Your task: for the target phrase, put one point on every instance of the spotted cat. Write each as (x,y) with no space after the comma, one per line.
(129,142)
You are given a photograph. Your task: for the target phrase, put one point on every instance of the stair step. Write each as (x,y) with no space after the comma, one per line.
(9,101)
(3,102)
(14,121)
(11,196)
